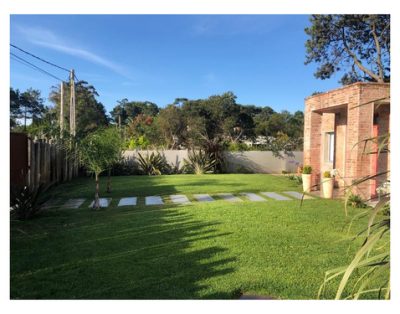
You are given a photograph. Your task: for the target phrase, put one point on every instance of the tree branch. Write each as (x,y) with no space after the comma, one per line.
(358,62)
(378,51)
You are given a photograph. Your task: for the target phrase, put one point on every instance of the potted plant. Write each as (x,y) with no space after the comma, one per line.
(327,184)
(306,177)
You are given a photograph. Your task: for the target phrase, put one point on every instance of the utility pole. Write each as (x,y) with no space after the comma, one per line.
(72,104)
(61,109)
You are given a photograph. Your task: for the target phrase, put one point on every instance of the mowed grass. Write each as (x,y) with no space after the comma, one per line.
(212,250)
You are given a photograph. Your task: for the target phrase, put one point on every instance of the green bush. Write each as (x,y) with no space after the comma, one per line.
(327,174)
(125,167)
(307,169)
(154,164)
(199,163)
(356,201)
(238,147)
(26,202)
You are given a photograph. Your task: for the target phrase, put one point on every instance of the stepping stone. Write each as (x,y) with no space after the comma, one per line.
(254,197)
(104,202)
(74,203)
(179,199)
(50,204)
(203,197)
(230,197)
(127,201)
(276,196)
(298,195)
(154,200)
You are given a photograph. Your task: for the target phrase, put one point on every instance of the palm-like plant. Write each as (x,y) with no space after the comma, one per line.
(369,271)
(153,164)
(199,163)
(98,151)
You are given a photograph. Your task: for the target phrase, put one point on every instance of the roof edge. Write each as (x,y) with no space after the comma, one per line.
(347,86)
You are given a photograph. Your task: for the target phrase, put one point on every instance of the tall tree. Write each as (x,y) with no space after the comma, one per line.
(15,107)
(90,113)
(31,105)
(358,45)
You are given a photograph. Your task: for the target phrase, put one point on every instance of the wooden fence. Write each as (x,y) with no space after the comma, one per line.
(33,162)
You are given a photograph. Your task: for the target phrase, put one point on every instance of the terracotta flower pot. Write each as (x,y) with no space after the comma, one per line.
(327,187)
(306,182)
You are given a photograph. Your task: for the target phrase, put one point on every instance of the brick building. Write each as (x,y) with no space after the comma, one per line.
(335,122)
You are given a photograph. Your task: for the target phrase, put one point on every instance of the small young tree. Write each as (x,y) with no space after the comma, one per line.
(97,152)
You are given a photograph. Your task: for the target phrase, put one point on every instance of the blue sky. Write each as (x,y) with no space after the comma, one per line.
(162,57)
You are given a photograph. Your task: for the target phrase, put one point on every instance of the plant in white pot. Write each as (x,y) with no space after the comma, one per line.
(306,177)
(327,184)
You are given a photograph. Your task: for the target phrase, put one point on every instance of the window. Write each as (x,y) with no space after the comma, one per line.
(330,146)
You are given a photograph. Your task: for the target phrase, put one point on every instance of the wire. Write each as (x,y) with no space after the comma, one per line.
(32,55)
(23,61)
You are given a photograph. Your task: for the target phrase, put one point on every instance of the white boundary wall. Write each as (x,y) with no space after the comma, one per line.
(237,162)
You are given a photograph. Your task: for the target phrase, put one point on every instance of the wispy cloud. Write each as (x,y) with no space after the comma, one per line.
(47,38)
(235,24)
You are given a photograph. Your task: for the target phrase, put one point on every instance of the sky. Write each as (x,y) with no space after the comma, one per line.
(158,58)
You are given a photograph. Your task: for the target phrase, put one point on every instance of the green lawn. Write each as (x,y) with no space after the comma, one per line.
(202,250)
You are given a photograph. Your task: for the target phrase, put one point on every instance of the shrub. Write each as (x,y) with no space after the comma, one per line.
(154,164)
(356,201)
(26,202)
(125,167)
(199,163)
(327,174)
(307,169)
(238,147)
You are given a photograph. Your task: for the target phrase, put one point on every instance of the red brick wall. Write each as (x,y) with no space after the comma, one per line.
(352,126)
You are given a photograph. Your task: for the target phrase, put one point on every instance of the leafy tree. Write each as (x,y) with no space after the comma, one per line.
(90,114)
(15,107)
(172,126)
(359,45)
(27,106)
(98,151)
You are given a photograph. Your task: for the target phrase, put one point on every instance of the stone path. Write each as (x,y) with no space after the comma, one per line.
(254,197)
(230,197)
(104,202)
(203,197)
(298,195)
(74,203)
(128,201)
(276,196)
(183,199)
(153,200)
(179,199)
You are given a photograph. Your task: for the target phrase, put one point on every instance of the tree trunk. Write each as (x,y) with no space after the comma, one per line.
(109,181)
(96,204)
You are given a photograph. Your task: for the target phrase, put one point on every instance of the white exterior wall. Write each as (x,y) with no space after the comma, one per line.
(247,161)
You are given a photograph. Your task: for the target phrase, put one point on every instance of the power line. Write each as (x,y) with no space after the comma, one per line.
(27,63)
(43,60)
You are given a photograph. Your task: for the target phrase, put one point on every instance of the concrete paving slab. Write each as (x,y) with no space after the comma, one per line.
(127,201)
(104,202)
(154,200)
(254,197)
(230,197)
(203,197)
(74,203)
(51,204)
(276,196)
(179,199)
(298,195)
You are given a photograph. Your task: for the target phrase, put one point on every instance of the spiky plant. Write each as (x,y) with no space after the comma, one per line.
(199,162)
(153,164)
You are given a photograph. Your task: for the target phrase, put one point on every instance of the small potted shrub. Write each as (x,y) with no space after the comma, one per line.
(327,184)
(306,177)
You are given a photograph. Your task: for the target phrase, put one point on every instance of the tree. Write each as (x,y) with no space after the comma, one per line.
(15,107)
(172,126)
(27,106)
(98,151)
(359,45)
(90,114)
